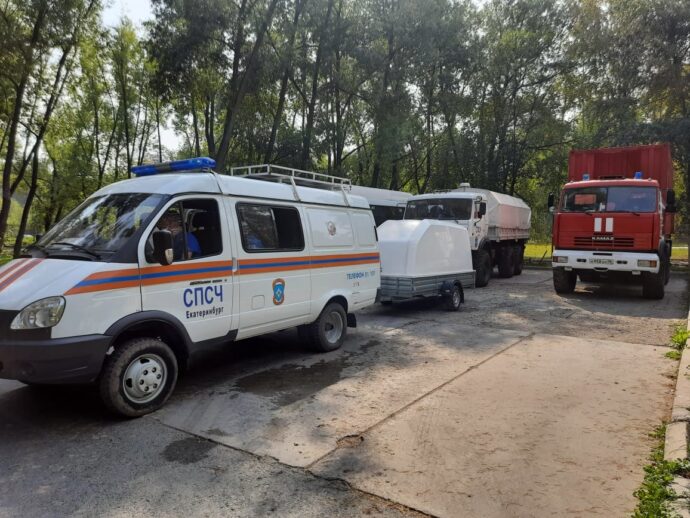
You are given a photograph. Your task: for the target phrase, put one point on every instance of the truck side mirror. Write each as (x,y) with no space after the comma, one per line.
(163,247)
(670,200)
(482,209)
(551,202)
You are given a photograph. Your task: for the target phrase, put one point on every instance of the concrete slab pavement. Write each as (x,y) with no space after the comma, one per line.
(551,426)
(297,411)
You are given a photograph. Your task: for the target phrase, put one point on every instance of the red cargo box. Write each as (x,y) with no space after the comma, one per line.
(623,162)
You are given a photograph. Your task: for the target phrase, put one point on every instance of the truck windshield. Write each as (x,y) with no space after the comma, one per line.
(100,226)
(439,208)
(610,199)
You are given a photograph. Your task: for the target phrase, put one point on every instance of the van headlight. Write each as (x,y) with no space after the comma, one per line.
(42,313)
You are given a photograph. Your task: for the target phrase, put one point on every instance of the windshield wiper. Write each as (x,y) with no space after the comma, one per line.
(78,247)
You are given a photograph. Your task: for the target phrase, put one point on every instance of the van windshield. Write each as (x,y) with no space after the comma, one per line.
(100,226)
(439,208)
(610,199)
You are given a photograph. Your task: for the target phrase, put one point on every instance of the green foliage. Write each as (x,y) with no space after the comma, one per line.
(654,495)
(679,337)
(408,95)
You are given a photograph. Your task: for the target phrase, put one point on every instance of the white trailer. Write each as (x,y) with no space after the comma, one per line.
(424,258)
(498,226)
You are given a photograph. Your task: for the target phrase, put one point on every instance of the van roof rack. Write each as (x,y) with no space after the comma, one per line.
(281,174)
(294,177)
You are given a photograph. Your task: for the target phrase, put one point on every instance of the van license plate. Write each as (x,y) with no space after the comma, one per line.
(597,260)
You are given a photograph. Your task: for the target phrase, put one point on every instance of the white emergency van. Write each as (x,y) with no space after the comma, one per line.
(147,272)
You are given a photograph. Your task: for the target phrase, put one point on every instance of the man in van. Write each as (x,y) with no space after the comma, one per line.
(172,221)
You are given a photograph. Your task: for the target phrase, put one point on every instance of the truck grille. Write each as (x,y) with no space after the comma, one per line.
(604,241)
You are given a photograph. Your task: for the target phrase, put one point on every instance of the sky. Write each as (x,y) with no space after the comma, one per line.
(135,10)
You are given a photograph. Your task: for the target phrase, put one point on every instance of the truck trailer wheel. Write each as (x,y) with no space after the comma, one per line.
(564,282)
(653,284)
(328,332)
(505,262)
(482,265)
(518,259)
(138,377)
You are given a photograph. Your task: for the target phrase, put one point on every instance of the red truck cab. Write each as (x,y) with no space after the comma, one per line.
(614,220)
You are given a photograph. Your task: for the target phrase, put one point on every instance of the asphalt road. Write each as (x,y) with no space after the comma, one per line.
(525,403)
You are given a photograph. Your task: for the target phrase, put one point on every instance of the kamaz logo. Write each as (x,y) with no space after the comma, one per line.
(602,238)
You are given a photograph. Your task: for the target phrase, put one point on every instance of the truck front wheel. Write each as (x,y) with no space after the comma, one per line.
(653,283)
(505,262)
(564,282)
(482,265)
(138,377)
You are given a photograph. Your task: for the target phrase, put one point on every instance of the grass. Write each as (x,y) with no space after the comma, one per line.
(679,339)
(654,495)
(5,259)
(537,251)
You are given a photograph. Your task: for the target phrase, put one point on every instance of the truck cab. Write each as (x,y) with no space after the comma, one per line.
(148,272)
(615,223)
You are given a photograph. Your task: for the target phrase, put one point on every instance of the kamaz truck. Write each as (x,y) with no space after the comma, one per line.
(498,226)
(614,220)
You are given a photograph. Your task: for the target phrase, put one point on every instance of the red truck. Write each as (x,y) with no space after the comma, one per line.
(614,219)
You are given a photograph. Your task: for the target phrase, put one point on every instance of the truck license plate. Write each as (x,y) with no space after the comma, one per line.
(597,260)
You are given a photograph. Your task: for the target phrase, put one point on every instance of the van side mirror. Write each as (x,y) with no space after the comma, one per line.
(670,200)
(551,202)
(163,247)
(482,209)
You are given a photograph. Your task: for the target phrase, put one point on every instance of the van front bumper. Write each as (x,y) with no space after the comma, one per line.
(76,359)
(606,261)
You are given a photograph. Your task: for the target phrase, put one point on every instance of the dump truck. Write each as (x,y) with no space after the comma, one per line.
(614,220)
(498,226)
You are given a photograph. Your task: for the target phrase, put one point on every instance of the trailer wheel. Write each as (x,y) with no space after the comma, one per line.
(505,262)
(518,259)
(138,377)
(653,284)
(564,282)
(482,265)
(328,332)
(454,299)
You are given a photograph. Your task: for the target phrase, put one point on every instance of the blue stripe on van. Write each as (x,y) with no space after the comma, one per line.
(154,275)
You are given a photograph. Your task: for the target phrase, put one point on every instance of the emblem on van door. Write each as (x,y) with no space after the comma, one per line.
(278,292)
(331,228)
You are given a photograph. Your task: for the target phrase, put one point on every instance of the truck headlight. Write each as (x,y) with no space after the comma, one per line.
(560,258)
(40,314)
(644,263)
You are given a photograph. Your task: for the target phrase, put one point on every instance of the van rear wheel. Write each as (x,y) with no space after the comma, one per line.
(328,332)
(138,377)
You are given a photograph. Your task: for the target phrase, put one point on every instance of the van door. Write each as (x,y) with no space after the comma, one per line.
(197,288)
(274,279)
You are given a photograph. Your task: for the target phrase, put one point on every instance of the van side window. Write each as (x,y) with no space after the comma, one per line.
(267,228)
(196,230)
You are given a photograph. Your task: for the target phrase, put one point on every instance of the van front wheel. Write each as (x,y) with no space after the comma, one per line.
(138,377)
(328,332)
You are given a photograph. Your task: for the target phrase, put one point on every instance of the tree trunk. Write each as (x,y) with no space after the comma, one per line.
(18,244)
(242,85)
(287,66)
(14,121)
(311,108)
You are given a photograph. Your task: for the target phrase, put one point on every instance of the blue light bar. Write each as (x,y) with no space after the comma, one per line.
(585,177)
(190,164)
(638,175)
